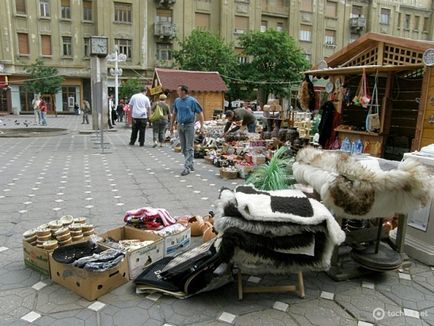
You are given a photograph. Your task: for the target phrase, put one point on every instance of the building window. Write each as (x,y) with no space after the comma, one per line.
(407,22)
(44,8)
(123,12)
(87,10)
(279,27)
(264,25)
(67,46)
(202,21)
(46,45)
(425,24)
(86,48)
(242,58)
(331,9)
(65,9)
(330,37)
(20,7)
(416,23)
(23,44)
(164,52)
(124,46)
(356,11)
(399,20)
(305,33)
(164,16)
(385,16)
(306,5)
(241,24)
(69,98)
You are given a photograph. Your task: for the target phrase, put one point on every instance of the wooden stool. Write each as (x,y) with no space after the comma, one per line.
(299,288)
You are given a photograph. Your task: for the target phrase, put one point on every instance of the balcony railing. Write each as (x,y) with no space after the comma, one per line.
(165,30)
(358,23)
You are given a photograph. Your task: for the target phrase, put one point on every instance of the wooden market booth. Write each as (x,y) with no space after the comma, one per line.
(206,86)
(405,89)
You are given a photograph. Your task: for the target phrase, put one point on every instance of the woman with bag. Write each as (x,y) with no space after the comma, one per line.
(43,108)
(159,119)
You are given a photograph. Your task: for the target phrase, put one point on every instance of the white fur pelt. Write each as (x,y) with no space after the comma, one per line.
(351,189)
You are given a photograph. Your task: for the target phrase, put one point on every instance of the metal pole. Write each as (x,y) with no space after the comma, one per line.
(116,78)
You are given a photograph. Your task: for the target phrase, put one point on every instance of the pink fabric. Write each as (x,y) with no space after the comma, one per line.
(150,217)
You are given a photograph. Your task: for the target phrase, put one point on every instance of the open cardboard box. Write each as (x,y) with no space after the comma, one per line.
(36,258)
(139,258)
(87,284)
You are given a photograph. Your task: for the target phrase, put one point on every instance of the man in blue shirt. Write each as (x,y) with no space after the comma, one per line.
(185,109)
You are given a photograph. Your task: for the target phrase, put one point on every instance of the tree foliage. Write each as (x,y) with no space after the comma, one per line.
(130,87)
(204,51)
(43,79)
(274,57)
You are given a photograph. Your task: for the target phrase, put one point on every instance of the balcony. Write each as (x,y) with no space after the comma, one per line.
(358,23)
(165,3)
(165,30)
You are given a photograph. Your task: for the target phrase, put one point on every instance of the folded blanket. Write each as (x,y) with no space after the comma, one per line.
(149,218)
(275,231)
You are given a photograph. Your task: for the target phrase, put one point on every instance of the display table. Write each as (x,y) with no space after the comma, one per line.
(419,240)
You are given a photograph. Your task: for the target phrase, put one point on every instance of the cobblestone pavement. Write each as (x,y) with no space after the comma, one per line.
(46,177)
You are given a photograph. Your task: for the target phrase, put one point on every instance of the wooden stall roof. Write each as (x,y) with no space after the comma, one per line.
(197,81)
(373,49)
(359,69)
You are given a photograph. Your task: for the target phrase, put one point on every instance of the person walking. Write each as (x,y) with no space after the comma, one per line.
(43,109)
(86,111)
(184,114)
(160,118)
(120,110)
(140,107)
(37,112)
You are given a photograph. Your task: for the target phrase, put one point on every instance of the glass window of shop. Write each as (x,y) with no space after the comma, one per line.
(26,99)
(69,92)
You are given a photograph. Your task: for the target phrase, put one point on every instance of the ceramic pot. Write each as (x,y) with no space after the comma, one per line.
(209,233)
(196,223)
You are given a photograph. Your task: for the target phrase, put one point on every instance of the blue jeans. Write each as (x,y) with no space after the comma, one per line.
(44,118)
(186,137)
(251,127)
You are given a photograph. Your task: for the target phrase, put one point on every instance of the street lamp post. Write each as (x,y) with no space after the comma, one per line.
(116,57)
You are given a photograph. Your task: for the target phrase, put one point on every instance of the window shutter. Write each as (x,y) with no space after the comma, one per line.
(20,6)
(46,44)
(23,43)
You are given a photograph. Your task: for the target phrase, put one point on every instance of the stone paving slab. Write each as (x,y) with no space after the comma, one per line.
(51,176)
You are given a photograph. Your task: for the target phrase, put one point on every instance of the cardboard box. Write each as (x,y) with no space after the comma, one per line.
(177,243)
(142,257)
(36,258)
(89,285)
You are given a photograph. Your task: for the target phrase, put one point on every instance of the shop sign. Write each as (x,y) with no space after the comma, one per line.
(156,90)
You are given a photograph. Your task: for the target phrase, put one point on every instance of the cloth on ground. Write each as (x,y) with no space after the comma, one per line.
(100,262)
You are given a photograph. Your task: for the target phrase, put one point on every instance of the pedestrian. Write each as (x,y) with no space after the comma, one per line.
(113,114)
(243,117)
(140,106)
(37,112)
(110,109)
(120,110)
(76,109)
(86,111)
(160,118)
(43,109)
(184,114)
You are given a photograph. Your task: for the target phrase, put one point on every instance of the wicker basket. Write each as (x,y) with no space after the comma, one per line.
(228,174)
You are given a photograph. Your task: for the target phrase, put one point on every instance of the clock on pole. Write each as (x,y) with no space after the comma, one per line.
(99,46)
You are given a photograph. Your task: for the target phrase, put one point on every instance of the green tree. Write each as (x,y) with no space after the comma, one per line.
(130,87)
(42,79)
(204,51)
(275,58)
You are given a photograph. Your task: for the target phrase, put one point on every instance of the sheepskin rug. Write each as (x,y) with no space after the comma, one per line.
(361,187)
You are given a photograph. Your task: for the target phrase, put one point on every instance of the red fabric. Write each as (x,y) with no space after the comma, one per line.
(43,106)
(336,123)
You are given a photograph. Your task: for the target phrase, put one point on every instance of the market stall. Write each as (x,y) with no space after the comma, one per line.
(382,91)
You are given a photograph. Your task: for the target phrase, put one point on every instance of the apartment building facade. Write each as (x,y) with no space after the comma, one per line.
(58,32)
